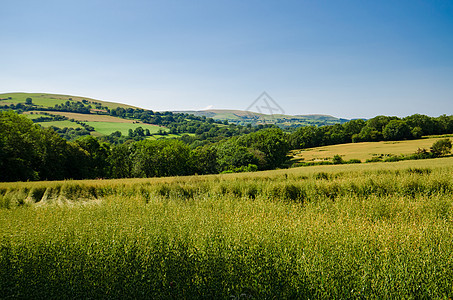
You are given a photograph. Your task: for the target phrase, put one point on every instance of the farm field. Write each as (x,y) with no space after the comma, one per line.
(365,150)
(60,124)
(377,230)
(107,128)
(102,124)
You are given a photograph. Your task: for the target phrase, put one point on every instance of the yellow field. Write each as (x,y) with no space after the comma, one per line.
(363,151)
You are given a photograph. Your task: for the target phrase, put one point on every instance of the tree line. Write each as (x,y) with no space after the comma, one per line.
(380,128)
(30,152)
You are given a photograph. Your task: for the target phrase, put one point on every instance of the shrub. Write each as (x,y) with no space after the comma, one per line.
(441,147)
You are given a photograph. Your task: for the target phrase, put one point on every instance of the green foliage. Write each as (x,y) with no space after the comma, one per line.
(396,130)
(337,159)
(441,147)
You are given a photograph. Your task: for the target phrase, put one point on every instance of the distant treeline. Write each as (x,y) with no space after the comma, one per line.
(379,128)
(29,152)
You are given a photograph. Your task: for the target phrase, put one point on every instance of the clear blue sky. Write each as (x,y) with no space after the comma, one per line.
(344,58)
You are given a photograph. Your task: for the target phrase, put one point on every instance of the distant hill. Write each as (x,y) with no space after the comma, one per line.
(241,117)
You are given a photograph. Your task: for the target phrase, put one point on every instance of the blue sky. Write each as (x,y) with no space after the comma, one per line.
(344,58)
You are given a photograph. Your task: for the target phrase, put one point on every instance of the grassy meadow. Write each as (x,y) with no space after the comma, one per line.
(107,128)
(365,150)
(371,230)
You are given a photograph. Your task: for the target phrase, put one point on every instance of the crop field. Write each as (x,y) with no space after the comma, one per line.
(377,230)
(365,150)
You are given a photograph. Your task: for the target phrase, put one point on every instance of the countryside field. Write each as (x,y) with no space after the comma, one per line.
(102,124)
(344,231)
(365,150)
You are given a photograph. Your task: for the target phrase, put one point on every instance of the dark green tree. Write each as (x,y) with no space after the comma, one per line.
(396,130)
(441,147)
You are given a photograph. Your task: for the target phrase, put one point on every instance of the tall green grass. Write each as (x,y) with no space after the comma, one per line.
(368,231)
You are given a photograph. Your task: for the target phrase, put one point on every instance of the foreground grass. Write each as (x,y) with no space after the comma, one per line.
(356,231)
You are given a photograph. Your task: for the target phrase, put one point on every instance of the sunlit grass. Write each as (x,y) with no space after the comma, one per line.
(349,231)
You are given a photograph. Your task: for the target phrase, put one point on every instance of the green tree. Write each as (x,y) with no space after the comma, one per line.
(396,130)
(441,147)
(98,153)
(270,142)
(120,160)
(21,150)
(29,101)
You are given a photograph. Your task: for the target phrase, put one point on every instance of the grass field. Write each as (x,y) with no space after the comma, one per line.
(107,128)
(60,124)
(347,231)
(102,124)
(364,151)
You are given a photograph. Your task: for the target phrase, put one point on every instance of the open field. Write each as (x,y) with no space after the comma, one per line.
(107,128)
(60,124)
(364,151)
(102,124)
(347,231)
(49,100)
(90,117)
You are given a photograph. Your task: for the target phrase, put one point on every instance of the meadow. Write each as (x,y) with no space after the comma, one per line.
(365,150)
(376,230)
(107,128)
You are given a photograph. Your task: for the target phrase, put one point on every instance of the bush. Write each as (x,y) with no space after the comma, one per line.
(441,147)
(337,160)
(354,161)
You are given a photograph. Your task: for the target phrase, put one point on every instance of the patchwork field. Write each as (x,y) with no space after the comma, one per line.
(102,124)
(364,151)
(378,231)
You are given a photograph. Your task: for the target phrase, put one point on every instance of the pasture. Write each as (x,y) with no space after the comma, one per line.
(107,128)
(364,150)
(343,231)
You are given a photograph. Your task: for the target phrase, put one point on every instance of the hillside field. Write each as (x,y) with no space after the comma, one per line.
(102,124)
(49,100)
(364,150)
(376,230)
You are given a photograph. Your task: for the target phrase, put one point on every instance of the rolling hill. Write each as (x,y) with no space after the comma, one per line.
(242,117)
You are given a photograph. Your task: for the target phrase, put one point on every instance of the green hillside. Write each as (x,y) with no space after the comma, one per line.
(50,100)
(107,119)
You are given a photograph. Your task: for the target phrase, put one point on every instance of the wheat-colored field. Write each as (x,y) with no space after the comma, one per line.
(364,150)
(379,230)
